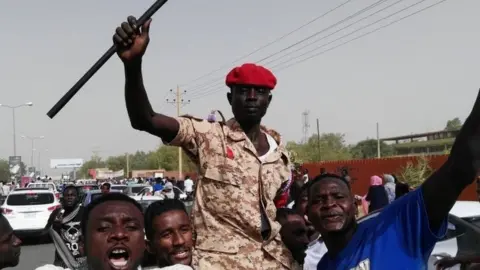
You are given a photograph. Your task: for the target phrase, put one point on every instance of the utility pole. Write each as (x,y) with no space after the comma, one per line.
(318,141)
(127,156)
(179,102)
(378,142)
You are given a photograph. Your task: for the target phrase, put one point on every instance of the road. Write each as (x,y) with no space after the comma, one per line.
(35,255)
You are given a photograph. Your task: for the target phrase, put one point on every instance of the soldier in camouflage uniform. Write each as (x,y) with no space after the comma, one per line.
(242,164)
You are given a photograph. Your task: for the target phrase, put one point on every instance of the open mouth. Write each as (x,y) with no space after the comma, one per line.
(118,258)
(332,217)
(181,254)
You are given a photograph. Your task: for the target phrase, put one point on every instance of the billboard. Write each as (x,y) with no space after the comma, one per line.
(109,174)
(15,165)
(65,163)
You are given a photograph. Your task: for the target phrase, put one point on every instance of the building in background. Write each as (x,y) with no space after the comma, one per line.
(430,143)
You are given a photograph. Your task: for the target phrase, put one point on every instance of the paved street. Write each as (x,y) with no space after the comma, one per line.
(34,256)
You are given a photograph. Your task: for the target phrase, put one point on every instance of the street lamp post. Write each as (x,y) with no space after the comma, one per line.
(39,160)
(13,116)
(33,145)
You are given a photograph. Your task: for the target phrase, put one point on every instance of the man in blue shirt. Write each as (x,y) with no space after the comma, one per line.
(403,235)
(158,185)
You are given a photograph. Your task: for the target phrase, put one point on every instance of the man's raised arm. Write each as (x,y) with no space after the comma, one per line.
(131,43)
(442,189)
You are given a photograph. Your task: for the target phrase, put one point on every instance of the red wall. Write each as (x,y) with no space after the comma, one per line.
(361,170)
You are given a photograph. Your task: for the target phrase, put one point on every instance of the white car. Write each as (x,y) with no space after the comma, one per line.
(28,210)
(146,200)
(149,191)
(50,185)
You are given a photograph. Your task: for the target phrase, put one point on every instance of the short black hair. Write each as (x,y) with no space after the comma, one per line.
(99,201)
(69,187)
(324,176)
(296,191)
(283,214)
(158,208)
(106,184)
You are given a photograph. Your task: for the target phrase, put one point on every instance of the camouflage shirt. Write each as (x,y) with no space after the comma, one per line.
(233,187)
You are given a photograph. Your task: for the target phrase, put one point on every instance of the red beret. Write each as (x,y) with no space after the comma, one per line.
(251,74)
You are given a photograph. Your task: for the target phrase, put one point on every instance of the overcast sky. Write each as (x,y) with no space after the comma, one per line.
(410,77)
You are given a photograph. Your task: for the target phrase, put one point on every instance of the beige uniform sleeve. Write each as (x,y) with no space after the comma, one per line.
(188,134)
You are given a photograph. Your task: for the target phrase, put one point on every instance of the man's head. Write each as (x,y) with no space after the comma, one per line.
(9,245)
(250,92)
(294,232)
(169,232)
(70,196)
(105,188)
(168,187)
(331,204)
(113,233)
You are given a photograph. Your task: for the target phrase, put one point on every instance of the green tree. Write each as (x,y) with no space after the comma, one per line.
(330,146)
(5,174)
(4,171)
(414,173)
(454,124)
(94,162)
(116,163)
(166,157)
(141,161)
(368,149)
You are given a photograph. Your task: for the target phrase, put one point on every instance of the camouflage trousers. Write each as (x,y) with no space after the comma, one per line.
(256,260)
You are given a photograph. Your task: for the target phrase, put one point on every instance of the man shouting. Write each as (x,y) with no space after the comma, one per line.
(242,163)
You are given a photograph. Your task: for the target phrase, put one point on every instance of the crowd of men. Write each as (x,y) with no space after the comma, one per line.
(244,169)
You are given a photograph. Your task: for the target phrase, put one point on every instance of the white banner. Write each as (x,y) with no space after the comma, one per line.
(110,174)
(66,163)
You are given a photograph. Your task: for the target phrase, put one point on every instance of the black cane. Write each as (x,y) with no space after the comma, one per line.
(100,62)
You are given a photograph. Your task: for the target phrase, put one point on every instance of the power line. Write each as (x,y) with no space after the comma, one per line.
(363,35)
(345,27)
(337,46)
(215,82)
(268,44)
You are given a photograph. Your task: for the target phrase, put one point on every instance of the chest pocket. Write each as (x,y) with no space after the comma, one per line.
(222,191)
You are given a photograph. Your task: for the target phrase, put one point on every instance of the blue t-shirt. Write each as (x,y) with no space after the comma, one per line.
(157,187)
(398,238)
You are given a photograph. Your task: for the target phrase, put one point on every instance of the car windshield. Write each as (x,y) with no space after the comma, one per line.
(30,199)
(137,189)
(121,188)
(89,187)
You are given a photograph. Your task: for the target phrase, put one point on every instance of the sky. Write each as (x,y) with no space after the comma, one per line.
(410,77)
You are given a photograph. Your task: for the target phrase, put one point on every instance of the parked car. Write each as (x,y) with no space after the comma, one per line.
(93,194)
(134,189)
(28,210)
(463,232)
(179,194)
(146,200)
(83,189)
(120,188)
(50,185)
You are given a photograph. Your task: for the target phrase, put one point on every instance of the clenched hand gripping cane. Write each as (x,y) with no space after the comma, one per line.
(100,62)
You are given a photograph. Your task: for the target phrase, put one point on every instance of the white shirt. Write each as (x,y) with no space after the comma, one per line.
(314,253)
(272,147)
(188,184)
